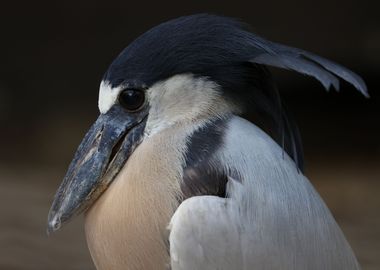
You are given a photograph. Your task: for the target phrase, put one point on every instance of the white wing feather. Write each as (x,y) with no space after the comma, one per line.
(272,219)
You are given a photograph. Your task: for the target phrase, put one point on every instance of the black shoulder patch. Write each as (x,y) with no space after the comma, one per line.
(202,174)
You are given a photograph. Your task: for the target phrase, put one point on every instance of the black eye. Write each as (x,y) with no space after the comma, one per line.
(132,99)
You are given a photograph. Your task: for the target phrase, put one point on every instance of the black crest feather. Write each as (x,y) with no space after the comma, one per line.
(223,50)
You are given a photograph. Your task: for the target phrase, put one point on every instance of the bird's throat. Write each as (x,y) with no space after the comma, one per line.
(126,228)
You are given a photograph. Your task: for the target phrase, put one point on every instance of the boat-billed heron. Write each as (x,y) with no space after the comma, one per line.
(194,163)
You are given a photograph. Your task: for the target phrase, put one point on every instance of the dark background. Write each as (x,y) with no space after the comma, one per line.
(54,53)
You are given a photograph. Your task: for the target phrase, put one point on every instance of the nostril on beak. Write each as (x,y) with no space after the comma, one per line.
(116,148)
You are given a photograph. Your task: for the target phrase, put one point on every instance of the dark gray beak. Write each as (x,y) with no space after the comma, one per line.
(99,158)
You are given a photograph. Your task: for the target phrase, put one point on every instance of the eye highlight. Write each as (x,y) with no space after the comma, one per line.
(132,99)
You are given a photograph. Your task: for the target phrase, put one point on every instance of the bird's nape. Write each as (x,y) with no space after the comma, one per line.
(225,51)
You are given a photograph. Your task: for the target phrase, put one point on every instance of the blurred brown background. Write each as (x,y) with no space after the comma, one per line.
(53,55)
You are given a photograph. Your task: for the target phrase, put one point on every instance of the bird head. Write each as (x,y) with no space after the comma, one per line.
(186,70)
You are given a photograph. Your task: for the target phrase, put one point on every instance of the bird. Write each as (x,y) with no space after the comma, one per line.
(194,161)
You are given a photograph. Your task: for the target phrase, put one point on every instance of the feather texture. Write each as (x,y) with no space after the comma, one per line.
(322,69)
(272,218)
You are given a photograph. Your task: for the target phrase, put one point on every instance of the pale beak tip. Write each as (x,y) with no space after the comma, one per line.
(54,224)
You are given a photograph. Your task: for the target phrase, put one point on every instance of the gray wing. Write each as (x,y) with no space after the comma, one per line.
(205,235)
(272,218)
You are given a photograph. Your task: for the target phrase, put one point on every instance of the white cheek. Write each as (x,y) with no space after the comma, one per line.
(180,98)
(107,96)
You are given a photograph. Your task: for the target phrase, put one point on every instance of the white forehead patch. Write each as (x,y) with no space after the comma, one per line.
(107,96)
